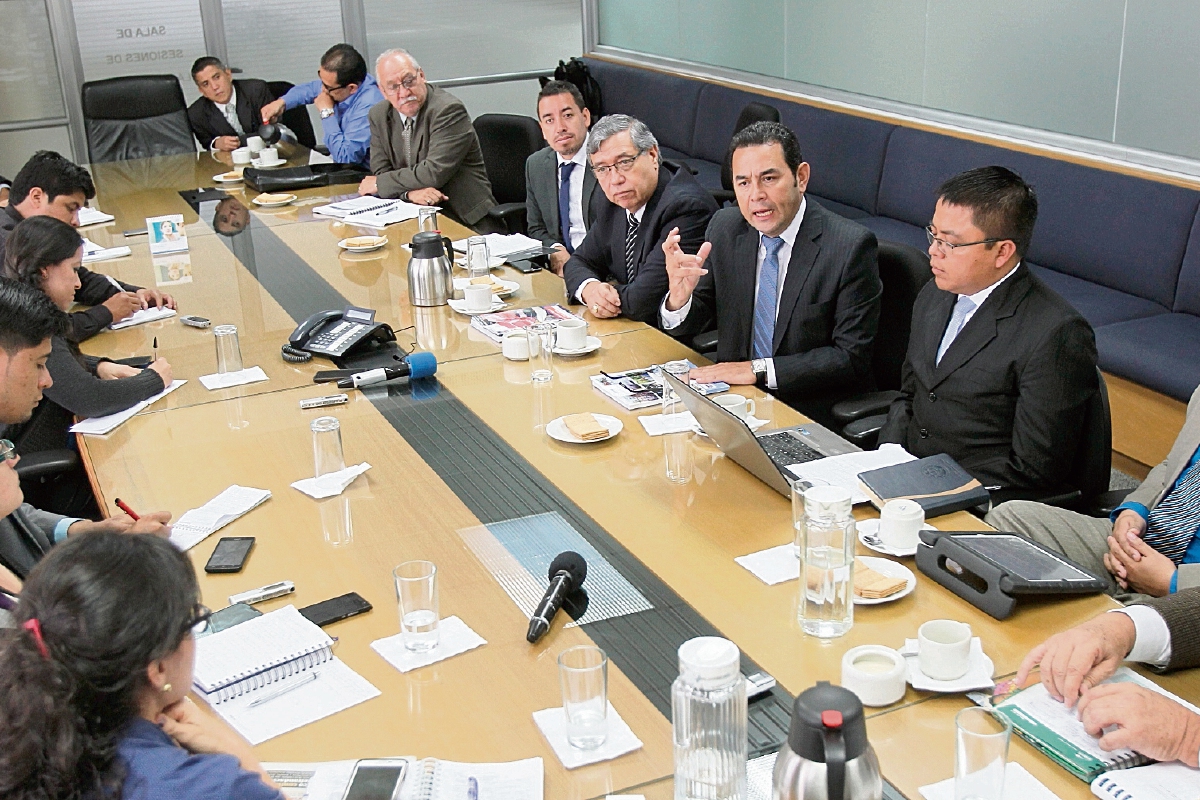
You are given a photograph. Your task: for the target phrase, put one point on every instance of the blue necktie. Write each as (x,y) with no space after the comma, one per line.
(958,319)
(564,204)
(1173,523)
(767,300)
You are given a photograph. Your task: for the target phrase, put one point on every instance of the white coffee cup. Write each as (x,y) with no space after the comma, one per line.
(875,673)
(900,524)
(256,144)
(477,296)
(572,334)
(515,346)
(944,649)
(242,155)
(268,155)
(735,403)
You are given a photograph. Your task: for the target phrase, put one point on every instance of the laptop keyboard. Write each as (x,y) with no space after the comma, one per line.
(785,449)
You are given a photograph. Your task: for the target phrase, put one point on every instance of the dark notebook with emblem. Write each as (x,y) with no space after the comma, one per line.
(938,483)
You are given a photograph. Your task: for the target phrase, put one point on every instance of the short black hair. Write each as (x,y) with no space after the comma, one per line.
(760,133)
(204,62)
(28,317)
(555,88)
(54,175)
(347,62)
(1002,205)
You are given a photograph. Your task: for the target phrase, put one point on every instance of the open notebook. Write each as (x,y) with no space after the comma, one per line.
(427,779)
(275,673)
(1172,781)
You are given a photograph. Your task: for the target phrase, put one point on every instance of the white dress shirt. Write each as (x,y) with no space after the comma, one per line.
(231,105)
(577,230)
(673,319)
(1152,642)
(982,295)
(638,216)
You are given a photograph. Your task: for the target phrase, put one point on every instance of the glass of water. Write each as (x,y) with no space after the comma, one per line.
(541,351)
(981,740)
(327,446)
(583,672)
(229,353)
(427,219)
(417,600)
(677,447)
(827,545)
(478,259)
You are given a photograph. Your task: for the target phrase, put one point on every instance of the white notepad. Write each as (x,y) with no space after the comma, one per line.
(99,426)
(501,245)
(1173,781)
(151,314)
(94,252)
(93,216)
(198,524)
(843,470)
(426,779)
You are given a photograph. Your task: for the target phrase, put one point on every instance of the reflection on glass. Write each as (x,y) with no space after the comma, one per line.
(435,329)
(230,217)
(543,406)
(336,522)
(235,418)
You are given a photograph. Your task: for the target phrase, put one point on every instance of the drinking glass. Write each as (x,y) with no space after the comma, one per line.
(427,219)
(229,353)
(417,600)
(541,351)
(677,448)
(980,753)
(478,259)
(327,445)
(583,672)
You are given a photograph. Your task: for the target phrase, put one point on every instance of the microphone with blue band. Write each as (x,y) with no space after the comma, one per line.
(415,365)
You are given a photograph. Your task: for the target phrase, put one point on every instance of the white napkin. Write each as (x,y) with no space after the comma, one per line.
(1018,785)
(553,724)
(454,637)
(331,483)
(224,380)
(774,565)
(658,424)
(979,676)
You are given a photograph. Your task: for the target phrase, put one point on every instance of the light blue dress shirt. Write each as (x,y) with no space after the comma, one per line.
(347,130)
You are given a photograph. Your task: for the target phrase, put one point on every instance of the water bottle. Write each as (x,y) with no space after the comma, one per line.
(708,719)
(826,607)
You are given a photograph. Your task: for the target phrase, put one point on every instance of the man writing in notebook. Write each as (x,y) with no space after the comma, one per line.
(1161,633)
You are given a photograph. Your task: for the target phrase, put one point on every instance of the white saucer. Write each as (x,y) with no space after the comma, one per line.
(508,288)
(224,177)
(257,164)
(890,569)
(868,534)
(461,307)
(593,344)
(557,429)
(979,674)
(288,198)
(494,262)
(381,241)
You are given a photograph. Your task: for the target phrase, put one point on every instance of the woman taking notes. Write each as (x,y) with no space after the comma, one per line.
(93,682)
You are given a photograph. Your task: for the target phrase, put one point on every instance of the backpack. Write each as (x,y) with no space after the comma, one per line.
(576,72)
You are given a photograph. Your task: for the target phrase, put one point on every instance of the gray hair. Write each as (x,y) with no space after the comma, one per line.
(392,53)
(609,126)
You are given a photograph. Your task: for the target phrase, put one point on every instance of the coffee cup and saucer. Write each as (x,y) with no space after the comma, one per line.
(897,532)
(945,657)
(573,339)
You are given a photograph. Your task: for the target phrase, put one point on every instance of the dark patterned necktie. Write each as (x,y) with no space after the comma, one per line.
(406,136)
(564,204)
(630,246)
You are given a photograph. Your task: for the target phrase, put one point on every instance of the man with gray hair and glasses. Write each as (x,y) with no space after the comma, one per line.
(619,269)
(423,146)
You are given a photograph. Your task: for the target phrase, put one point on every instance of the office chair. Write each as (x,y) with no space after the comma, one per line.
(135,117)
(507,140)
(753,112)
(297,118)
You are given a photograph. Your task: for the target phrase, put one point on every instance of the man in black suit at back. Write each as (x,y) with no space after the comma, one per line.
(228,111)
(618,268)
(999,368)
(794,289)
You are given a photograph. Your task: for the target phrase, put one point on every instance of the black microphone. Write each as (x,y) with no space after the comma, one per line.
(567,571)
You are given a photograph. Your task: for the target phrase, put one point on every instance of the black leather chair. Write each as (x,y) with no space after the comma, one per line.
(135,117)
(297,118)
(507,140)
(753,112)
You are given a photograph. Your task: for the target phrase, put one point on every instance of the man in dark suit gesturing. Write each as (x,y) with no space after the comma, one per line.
(228,111)
(619,269)
(794,289)
(999,367)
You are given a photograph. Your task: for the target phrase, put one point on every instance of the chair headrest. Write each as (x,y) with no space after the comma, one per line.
(133,97)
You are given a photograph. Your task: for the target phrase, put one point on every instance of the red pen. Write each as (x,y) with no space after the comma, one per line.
(126,509)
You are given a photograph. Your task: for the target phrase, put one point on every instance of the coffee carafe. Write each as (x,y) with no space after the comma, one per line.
(827,755)
(429,275)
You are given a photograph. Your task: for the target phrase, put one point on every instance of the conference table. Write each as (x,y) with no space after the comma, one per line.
(457,459)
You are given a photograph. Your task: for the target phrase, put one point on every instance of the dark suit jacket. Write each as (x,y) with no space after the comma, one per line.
(828,312)
(1181,611)
(208,122)
(446,155)
(678,201)
(541,197)
(1007,400)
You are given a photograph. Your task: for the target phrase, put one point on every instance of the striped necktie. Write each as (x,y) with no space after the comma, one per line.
(406,137)
(1173,523)
(630,247)
(768,299)
(958,319)
(234,122)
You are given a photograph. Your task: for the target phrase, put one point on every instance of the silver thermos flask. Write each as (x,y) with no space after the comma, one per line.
(429,274)
(827,755)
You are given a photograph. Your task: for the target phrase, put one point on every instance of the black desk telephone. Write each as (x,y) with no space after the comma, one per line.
(335,334)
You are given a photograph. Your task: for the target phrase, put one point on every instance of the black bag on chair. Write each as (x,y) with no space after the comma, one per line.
(279,180)
(576,72)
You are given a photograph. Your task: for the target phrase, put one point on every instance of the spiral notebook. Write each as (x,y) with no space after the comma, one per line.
(275,673)
(426,779)
(1172,781)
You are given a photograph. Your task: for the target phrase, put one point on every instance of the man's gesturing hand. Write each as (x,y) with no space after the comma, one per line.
(683,271)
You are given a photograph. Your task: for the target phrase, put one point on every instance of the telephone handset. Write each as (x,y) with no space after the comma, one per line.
(335,334)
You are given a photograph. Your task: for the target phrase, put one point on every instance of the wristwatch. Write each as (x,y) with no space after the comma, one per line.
(326,112)
(759,367)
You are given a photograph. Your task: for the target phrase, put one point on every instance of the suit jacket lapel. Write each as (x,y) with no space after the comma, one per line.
(246,113)
(589,187)
(804,255)
(550,163)
(981,328)
(745,259)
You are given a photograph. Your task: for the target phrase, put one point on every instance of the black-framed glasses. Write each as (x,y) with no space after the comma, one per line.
(946,248)
(8,451)
(197,621)
(407,83)
(327,87)
(621,165)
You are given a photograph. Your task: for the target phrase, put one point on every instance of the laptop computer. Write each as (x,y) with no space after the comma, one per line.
(765,455)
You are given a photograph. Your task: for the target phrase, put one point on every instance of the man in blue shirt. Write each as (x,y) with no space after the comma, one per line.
(343,95)
(1151,544)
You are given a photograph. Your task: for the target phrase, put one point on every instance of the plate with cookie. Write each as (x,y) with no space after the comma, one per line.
(233,176)
(583,428)
(362,244)
(269,200)
(881,580)
(500,287)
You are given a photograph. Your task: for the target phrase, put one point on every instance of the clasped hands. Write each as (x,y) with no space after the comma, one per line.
(1134,564)
(428,196)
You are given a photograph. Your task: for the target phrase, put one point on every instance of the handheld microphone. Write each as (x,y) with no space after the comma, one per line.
(567,572)
(416,365)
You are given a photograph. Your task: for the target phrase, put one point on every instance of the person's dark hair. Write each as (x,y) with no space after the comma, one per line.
(204,62)
(554,88)
(28,317)
(347,62)
(37,243)
(1002,205)
(762,132)
(109,605)
(54,175)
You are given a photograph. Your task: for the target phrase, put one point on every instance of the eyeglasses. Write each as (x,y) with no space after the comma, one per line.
(946,248)
(331,89)
(621,165)
(8,451)
(407,83)
(197,621)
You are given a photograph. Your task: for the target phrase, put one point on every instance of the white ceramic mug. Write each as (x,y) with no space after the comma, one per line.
(900,524)
(945,649)
(572,334)
(477,296)
(268,155)
(242,155)
(256,144)
(735,403)
(875,673)
(515,346)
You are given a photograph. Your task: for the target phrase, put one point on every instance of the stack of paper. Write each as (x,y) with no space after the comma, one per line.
(93,216)
(151,314)
(370,212)
(196,525)
(501,246)
(94,252)
(843,470)
(355,205)
(99,426)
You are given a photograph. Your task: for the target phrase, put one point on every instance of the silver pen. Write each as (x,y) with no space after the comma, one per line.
(266,698)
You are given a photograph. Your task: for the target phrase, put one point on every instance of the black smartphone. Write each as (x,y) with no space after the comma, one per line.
(140,362)
(229,616)
(230,554)
(525,265)
(338,608)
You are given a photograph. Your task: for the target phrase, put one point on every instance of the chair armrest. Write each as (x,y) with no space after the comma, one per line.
(864,405)
(864,432)
(1102,505)
(322,149)
(510,215)
(46,463)
(705,342)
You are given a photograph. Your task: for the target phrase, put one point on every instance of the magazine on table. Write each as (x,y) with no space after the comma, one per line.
(494,326)
(641,388)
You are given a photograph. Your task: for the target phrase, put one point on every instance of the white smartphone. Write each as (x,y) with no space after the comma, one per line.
(376,779)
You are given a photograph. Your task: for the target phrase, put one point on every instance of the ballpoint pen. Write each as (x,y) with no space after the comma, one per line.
(121,505)
(309,678)
(155,346)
